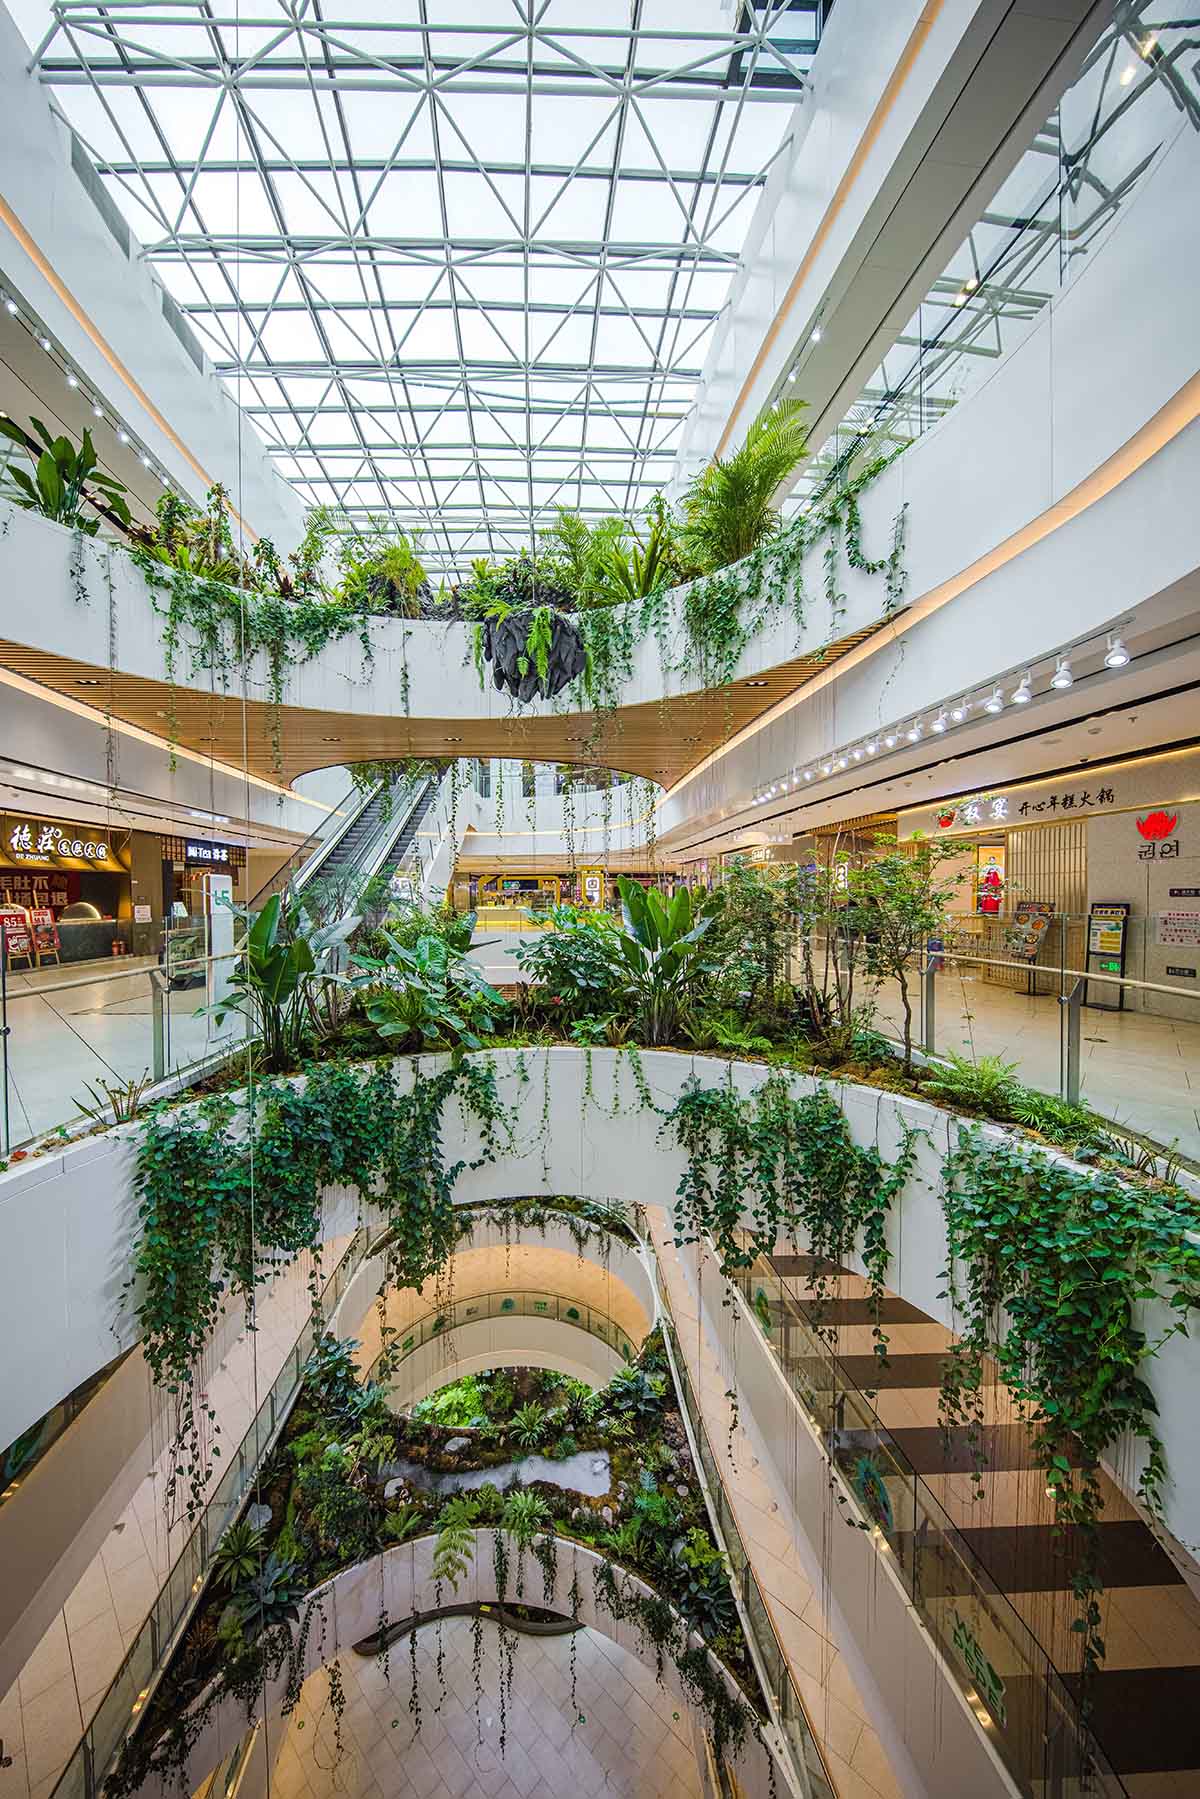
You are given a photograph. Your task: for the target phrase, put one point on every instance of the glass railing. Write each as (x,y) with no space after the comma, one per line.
(1089,1009)
(1138,90)
(67,1032)
(66,1035)
(126,1698)
(1005,1675)
(509,1302)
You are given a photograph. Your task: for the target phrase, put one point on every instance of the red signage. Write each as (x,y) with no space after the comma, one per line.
(45,931)
(14,922)
(1157,825)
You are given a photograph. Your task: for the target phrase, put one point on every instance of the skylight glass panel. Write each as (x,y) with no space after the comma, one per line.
(435,278)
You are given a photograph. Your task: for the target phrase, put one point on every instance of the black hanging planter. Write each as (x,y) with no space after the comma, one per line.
(504,642)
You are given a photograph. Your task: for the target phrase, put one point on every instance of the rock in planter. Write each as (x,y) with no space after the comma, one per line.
(504,643)
(456,1445)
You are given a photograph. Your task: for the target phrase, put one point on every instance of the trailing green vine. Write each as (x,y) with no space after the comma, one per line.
(1048,1269)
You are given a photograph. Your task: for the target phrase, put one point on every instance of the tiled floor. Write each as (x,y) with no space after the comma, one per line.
(96,1029)
(1136,1069)
(624,1735)
(43,1715)
(1146,1704)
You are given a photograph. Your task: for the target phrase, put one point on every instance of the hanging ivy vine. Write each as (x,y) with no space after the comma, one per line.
(1048,1267)
(220,1208)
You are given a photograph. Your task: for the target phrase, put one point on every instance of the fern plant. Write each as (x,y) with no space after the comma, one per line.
(454,1550)
(237,1555)
(987,1085)
(729,508)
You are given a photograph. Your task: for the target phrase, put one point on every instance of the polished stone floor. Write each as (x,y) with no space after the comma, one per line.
(85,1024)
(624,1735)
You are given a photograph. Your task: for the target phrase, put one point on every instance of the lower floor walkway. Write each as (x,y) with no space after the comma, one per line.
(1146,1699)
(616,1731)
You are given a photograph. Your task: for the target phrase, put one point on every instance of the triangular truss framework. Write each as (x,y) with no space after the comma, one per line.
(458,264)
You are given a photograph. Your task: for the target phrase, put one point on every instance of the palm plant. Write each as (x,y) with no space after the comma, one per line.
(64,480)
(728,509)
(529,1425)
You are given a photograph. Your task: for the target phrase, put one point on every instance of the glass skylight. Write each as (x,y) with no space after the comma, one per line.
(458,262)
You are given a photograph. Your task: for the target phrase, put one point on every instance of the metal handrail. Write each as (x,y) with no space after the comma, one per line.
(783,1696)
(150,1652)
(1009,1621)
(440,1322)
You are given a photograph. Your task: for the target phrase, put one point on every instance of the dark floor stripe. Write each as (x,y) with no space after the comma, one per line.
(803,1266)
(1147,1720)
(1037,1558)
(862,1311)
(1003,1446)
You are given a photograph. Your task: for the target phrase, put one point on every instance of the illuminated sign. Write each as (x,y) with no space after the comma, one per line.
(30,841)
(212,855)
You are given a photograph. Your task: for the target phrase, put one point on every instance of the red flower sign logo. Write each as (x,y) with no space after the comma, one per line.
(945,820)
(1156,825)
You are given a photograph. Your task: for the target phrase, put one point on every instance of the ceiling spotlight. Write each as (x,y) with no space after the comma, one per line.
(755,683)
(959,712)
(889,742)
(914,731)
(71,381)
(939,723)
(872,746)
(1023,691)
(45,343)
(1062,676)
(827,768)
(124,436)
(97,412)
(994,702)
(841,762)
(1116,655)
(856,753)
(816,336)
(808,774)
(146,464)
(11,305)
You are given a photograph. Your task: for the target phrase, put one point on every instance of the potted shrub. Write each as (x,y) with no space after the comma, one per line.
(526,633)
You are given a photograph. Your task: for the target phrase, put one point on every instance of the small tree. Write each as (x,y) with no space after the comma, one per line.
(898,902)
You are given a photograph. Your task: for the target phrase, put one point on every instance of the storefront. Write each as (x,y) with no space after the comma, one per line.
(66,890)
(1097,871)
(199,875)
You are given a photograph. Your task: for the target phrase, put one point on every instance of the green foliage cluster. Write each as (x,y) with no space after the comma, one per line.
(769,1165)
(226,1196)
(324,1485)
(65,480)
(428,991)
(1049,1270)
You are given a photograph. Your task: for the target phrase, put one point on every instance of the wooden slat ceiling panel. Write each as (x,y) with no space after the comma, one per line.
(661,740)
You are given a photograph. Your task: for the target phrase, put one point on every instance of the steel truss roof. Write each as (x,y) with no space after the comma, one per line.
(458,259)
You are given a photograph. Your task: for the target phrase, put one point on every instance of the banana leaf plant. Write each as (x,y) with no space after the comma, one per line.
(65,479)
(427,993)
(283,978)
(660,949)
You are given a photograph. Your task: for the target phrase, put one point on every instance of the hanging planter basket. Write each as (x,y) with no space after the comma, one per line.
(505,646)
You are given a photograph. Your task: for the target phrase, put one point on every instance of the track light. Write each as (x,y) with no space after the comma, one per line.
(71,381)
(11,305)
(816,336)
(914,731)
(45,343)
(1023,692)
(1116,655)
(994,702)
(889,742)
(872,746)
(939,723)
(827,768)
(856,753)
(97,412)
(1062,676)
(123,435)
(959,712)
(808,774)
